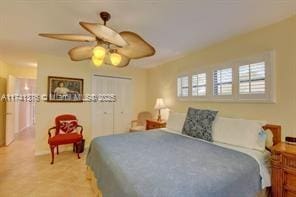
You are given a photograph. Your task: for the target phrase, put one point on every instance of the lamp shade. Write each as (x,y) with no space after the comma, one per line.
(96,61)
(99,52)
(115,59)
(159,104)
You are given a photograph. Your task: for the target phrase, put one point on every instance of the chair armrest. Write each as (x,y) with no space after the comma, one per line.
(49,131)
(81,129)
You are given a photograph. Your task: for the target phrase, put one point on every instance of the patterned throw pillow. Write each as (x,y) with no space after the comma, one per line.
(198,123)
(67,126)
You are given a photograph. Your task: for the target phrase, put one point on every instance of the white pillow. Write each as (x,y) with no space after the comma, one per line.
(176,121)
(269,139)
(239,132)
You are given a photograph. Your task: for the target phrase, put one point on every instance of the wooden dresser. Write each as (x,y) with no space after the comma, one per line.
(154,124)
(283,162)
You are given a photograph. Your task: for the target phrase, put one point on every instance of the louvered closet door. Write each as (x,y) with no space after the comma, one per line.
(123,105)
(103,112)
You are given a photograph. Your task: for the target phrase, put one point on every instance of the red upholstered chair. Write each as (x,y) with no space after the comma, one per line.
(66,132)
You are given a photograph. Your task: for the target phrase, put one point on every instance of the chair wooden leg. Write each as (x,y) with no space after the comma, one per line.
(76,144)
(52,154)
(57,150)
(74,147)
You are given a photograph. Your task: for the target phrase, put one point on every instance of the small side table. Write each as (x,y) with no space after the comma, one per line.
(154,124)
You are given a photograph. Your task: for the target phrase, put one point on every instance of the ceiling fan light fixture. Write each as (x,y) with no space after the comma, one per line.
(97,61)
(99,52)
(115,59)
(109,46)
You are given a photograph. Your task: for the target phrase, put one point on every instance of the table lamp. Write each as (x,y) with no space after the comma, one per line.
(159,105)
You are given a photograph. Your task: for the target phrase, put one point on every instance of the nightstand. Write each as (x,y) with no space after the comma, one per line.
(283,178)
(154,124)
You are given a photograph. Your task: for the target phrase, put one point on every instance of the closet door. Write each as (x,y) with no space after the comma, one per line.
(122,106)
(110,118)
(103,112)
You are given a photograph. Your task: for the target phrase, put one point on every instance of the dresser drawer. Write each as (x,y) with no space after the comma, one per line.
(288,193)
(289,180)
(283,161)
(289,161)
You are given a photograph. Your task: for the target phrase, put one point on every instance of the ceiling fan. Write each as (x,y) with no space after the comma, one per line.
(109,47)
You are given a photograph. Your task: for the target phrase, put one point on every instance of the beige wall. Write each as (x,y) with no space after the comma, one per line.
(22,71)
(2,110)
(3,74)
(3,69)
(279,37)
(64,67)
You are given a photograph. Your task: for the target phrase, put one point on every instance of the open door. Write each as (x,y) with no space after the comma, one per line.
(11,108)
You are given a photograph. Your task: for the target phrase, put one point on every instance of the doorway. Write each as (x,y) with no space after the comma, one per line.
(26,109)
(20,110)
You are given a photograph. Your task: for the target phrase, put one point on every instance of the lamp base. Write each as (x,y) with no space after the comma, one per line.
(159,116)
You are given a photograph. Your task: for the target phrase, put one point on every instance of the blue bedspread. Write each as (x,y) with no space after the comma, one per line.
(158,163)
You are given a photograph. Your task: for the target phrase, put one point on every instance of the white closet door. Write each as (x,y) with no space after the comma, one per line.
(111,117)
(103,113)
(122,109)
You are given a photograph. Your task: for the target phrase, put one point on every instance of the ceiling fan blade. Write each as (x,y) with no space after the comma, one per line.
(104,33)
(124,61)
(81,53)
(70,37)
(137,47)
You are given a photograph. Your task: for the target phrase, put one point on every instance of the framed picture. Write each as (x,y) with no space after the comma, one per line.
(63,89)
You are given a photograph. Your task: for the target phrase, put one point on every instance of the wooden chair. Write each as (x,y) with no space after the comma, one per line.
(65,133)
(140,123)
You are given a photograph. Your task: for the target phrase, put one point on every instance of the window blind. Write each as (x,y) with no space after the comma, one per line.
(252,78)
(222,82)
(199,83)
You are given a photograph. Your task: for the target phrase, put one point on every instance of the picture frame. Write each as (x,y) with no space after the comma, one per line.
(64,89)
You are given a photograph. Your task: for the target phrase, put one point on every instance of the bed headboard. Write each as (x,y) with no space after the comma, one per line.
(276,131)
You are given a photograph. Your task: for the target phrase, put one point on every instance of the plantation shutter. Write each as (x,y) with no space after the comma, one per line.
(252,78)
(222,82)
(199,83)
(182,86)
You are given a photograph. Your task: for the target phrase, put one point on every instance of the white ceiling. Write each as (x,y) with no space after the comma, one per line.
(173,27)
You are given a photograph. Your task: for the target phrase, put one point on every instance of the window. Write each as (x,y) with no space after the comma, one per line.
(183,86)
(252,78)
(199,83)
(222,82)
(242,80)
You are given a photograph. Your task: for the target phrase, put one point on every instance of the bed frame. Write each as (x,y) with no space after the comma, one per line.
(276,131)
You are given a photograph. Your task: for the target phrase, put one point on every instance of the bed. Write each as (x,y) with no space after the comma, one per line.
(165,163)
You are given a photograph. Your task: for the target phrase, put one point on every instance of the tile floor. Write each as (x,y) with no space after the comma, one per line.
(23,174)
